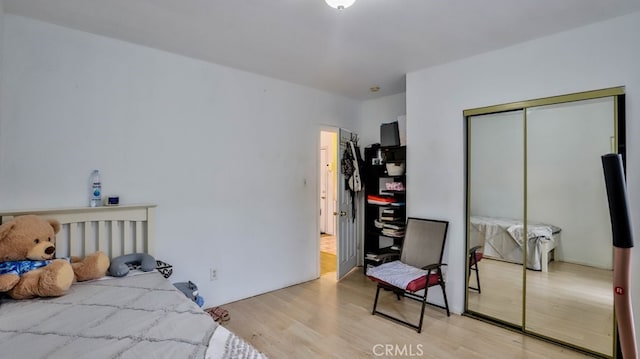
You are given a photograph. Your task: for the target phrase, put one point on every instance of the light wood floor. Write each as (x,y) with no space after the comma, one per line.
(328,263)
(572,303)
(328,243)
(328,319)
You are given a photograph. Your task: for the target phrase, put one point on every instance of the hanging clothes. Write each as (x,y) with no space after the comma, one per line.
(351,164)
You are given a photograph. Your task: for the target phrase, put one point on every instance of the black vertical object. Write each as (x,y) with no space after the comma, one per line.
(618,210)
(617,194)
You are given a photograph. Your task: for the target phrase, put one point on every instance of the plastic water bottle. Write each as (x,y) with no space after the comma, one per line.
(95,196)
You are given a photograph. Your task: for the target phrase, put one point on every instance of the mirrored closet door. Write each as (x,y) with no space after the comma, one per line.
(539,250)
(496,191)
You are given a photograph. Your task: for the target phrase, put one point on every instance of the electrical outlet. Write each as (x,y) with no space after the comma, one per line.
(213,274)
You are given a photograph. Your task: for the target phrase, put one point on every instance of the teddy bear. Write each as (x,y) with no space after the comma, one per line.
(28,267)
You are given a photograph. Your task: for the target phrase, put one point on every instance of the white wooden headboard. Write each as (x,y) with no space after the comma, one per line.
(115,230)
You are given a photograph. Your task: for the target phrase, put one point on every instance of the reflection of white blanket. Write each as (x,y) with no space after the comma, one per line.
(540,232)
(396,273)
(502,238)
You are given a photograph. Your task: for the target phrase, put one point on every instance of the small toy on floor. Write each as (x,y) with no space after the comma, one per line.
(218,314)
(190,290)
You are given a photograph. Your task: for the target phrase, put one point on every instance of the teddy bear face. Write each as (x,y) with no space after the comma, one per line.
(28,237)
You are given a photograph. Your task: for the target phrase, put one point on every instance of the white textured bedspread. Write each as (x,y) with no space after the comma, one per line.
(140,316)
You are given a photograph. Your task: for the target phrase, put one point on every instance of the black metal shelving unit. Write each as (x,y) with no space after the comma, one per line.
(380,187)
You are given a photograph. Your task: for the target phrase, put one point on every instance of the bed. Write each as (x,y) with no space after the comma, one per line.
(503,239)
(141,315)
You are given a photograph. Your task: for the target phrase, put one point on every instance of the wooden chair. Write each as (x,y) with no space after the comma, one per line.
(418,268)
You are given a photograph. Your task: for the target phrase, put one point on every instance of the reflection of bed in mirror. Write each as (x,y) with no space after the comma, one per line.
(502,239)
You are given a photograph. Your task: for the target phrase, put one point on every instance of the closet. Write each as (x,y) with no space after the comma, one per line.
(539,250)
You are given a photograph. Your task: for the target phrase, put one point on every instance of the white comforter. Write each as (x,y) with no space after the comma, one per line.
(137,316)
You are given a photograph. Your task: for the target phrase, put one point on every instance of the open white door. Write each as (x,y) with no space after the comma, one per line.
(347,226)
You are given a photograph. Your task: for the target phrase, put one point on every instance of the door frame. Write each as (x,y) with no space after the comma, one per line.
(334,177)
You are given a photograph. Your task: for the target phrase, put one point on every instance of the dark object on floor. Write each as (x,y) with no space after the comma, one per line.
(218,314)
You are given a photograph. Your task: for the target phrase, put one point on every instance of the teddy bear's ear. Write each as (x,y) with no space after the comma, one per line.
(5,228)
(55,224)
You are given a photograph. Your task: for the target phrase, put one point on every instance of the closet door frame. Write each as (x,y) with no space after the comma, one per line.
(618,146)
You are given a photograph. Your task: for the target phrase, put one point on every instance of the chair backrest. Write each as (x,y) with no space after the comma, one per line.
(424,241)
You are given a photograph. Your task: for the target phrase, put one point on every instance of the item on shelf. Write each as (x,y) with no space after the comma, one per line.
(390,219)
(378,160)
(390,215)
(393,232)
(395,168)
(95,189)
(112,201)
(390,134)
(373,199)
(372,257)
(378,224)
(392,226)
(394,186)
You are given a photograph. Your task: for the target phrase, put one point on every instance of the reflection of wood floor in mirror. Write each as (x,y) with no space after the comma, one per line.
(571,303)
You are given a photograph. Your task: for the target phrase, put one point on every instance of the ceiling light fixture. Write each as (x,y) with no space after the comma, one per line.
(340,4)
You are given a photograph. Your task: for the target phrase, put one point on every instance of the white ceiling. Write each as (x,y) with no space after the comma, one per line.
(372,43)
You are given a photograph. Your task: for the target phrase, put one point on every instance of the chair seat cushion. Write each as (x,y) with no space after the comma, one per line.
(478,256)
(400,275)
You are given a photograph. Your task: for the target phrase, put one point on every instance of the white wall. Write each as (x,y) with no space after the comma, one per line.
(497,174)
(1,51)
(593,57)
(229,157)
(375,112)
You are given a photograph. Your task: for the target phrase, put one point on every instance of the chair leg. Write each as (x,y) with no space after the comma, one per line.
(424,304)
(444,295)
(375,302)
(446,303)
(473,266)
(478,277)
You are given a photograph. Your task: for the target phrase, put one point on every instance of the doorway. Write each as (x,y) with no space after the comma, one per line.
(328,173)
